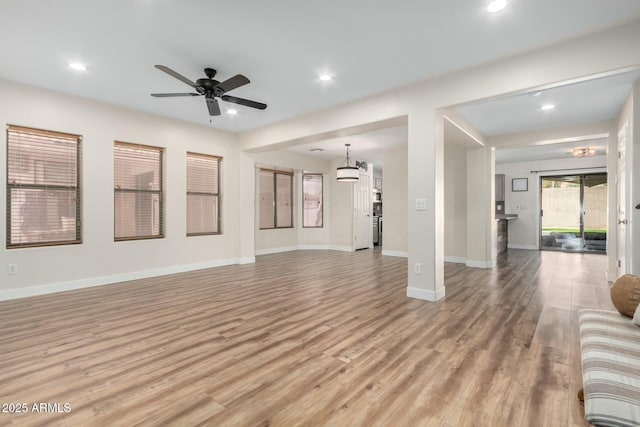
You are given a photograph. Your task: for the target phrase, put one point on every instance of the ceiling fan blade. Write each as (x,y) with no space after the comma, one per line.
(233,83)
(245,102)
(164,95)
(178,76)
(214,108)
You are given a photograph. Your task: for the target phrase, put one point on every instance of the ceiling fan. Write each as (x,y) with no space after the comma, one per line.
(212,89)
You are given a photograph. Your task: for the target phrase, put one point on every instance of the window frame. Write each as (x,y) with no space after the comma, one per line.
(77,188)
(160,192)
(275,198)
(217,195)
(321,200)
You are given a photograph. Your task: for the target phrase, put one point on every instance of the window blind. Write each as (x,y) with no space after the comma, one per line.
(43,188)
(276,199)
(267,191)
(283,200)
(203,194)
(138,210)
(312,200)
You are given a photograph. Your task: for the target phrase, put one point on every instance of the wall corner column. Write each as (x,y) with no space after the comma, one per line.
(246,217)
(426,205)
(481,226)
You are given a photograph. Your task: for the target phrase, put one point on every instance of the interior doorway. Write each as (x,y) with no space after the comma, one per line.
(574,213)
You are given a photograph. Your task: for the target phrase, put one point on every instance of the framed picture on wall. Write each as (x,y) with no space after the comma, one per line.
(520,184)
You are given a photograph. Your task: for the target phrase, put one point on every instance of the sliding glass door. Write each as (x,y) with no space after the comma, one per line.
(574,212)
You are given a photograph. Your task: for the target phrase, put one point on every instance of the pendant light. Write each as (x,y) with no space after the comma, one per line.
(347,173)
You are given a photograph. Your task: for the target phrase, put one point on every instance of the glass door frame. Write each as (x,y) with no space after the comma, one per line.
(582,178)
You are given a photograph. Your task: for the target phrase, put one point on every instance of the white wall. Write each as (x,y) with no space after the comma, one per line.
(455,202)
(635,182)
(394,205)
(298,237)
(377,173)
(481,225)
(99,259)
(340,211)
(524,231)
(630,113)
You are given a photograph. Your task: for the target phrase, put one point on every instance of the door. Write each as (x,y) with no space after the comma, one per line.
(362,211)
(621,189)
(574,212)
(561,222)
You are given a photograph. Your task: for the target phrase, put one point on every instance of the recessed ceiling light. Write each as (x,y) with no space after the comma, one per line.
(547,107)
(232,111)
(496,6)
(78,66)
(317,149)
(325,77)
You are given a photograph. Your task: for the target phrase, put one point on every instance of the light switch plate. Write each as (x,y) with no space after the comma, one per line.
(421,204)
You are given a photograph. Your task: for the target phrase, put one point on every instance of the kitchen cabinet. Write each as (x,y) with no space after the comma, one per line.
(500,187)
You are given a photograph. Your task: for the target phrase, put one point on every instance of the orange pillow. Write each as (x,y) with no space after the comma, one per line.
(625,294)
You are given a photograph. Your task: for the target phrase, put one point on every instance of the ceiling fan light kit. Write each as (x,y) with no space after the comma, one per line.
(211,89)
(583,152)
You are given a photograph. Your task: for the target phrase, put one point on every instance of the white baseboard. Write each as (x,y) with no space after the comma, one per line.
(247,260)
(50,288)
(527,247)
(456,259)
(395,253)
(276,250)
(425,294)
(341,248)
(304,248)
(313,247)
(480,264)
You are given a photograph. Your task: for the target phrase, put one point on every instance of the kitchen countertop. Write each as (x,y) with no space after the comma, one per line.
(506,216)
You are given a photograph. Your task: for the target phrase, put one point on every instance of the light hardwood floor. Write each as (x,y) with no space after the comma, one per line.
(308,338)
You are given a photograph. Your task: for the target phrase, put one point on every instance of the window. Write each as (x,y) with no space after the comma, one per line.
(138,210)
(276,199)
(43,188)
(203,194)
(312,200)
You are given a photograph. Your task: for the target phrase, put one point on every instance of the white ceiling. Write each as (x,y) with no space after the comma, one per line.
(589,101)
(585,102)
(454,135)
(281,45)
(549,151)
(369,146)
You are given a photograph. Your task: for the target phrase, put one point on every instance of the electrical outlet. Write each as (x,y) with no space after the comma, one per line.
(421,204)
(417,268)
(12,269)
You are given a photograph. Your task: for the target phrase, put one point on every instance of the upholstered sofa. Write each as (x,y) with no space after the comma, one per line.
(610,345)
